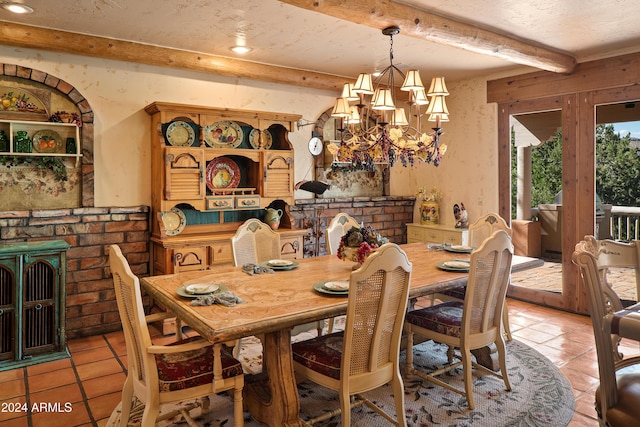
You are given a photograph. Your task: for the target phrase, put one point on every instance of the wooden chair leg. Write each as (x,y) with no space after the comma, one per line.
(505,322)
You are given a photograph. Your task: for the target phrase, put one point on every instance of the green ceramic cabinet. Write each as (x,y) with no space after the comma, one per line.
(32,302)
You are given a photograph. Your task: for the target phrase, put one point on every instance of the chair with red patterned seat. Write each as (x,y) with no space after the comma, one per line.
(158,374)
(472,324)
(366,354)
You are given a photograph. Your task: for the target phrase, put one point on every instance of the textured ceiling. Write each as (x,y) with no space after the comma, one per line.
(285,35)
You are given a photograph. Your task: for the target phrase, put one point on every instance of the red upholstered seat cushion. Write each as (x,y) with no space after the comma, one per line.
(457,293)
(179,371)
(445,318)
(322,354)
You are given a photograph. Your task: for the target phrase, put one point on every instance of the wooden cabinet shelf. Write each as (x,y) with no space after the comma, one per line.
(219,167)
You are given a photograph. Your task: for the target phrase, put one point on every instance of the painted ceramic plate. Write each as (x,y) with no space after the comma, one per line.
(279,263)
(459,266)
(173,221)
(201,288)
(180,134)
(222,172)
(319,287)
(47,141)
(183,292)
(254,139)
(225,134)
(337,285)
(462,249)
(282,267)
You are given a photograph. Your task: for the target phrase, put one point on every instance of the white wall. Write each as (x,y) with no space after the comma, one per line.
(119,91)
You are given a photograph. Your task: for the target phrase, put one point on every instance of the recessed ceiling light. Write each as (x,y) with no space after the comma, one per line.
(241,49)
(17,8)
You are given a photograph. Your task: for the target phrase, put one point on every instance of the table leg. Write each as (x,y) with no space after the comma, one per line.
(275,401)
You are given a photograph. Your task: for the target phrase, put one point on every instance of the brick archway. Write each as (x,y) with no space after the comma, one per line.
(86,113)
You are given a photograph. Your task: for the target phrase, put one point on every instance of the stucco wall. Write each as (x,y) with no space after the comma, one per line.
(118,92)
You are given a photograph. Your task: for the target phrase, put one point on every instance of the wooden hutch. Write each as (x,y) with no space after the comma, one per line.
(212,169)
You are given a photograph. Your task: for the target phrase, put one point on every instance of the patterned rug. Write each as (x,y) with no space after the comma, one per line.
(540,395)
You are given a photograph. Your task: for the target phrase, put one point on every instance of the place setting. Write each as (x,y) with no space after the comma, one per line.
(281,264)
(461,249)
(458,265)
(333,287)
(208,294)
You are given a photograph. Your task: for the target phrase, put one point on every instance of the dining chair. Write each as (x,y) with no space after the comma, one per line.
(617,399)
(471,324)
(338,227)
(188,369)
(255,242)
(366,354)
(478,232)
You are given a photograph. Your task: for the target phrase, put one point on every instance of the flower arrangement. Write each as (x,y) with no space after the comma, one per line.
(358,243)
(429,196)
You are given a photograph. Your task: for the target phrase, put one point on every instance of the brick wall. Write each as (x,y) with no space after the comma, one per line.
(91,305)
(386,214)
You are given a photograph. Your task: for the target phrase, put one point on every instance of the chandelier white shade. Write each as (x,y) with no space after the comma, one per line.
(375,128)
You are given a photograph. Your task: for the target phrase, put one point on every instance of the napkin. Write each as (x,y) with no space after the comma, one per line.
(252,269)
(225,298)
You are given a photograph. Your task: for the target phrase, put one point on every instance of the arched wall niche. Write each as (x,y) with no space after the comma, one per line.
(16,73)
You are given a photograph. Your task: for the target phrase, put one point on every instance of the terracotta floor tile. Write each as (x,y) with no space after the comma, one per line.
(13,420)
(580,420)
(534,335)
(69,393)
(92,355)
(86,343)
(103,406)
(104,385)
(98,369)
(77,415)
(45,367)
(12,389)
(579,380)
(12,374)
(51,380)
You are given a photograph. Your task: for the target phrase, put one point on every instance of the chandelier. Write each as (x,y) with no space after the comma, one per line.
(375,130)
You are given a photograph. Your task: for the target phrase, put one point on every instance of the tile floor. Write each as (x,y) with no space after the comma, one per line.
(91,380)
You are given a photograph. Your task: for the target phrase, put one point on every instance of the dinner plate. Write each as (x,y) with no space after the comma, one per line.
(279,262)
(337,285)
(201,288)
(463,249)
(222,172)
(224,134)
(183,292)
(459,266)
(254,139)
(319,287)
(291,266)
(46,141)
(173,221)
(180,134)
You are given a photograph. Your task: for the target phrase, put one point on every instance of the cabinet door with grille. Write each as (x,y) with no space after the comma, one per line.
(8,323)
(41,314)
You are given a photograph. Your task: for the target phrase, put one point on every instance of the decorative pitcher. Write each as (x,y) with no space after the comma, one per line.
(272,217)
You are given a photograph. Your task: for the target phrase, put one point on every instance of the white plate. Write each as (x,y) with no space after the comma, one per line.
(201,288)
(461,247)
(456,264)
(280,262)
(337,285)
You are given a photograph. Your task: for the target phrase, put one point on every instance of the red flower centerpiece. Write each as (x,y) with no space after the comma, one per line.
(358,243)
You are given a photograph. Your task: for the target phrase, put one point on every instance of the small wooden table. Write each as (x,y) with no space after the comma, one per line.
(275,303)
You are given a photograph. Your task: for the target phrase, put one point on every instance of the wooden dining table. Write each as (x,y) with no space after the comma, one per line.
(275,303)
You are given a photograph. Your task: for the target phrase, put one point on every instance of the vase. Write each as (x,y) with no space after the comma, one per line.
(22,142)
(429,213)
(4,142)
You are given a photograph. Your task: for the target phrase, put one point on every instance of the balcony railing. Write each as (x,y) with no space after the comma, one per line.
(623,221)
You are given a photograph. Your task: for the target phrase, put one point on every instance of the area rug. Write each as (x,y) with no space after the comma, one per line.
(540,395)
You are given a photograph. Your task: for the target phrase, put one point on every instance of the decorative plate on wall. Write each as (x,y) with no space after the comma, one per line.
(254,139)
(180,134)
(222,172)
(225,134)
(47,141)
(173,221)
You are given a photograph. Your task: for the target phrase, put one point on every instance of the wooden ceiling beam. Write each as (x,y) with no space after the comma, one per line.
(438,29)
(25,36)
